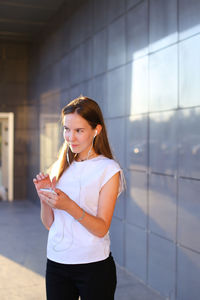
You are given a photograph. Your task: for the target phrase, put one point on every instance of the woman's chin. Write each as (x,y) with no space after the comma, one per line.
(75,151)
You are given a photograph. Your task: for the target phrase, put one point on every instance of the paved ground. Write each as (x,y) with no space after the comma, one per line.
(23,258)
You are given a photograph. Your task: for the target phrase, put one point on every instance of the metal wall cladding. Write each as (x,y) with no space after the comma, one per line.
(140,60)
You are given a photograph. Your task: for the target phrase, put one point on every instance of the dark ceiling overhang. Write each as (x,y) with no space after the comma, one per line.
(26,20)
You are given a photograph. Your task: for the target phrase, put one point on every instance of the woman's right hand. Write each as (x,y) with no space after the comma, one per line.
(42,181)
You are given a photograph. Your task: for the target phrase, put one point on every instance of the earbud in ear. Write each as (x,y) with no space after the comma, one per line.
(95,133)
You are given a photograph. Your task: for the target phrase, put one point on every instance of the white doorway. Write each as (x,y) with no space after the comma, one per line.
(6,153)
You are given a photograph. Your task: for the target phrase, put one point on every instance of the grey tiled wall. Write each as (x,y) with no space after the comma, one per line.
(140,60)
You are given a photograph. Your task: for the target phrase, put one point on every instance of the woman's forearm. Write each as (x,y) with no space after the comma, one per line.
(47,215)
(93,224)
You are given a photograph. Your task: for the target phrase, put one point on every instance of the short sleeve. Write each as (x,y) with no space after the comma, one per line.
(111,169)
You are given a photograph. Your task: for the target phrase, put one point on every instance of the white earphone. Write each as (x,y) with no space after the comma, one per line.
(95,133)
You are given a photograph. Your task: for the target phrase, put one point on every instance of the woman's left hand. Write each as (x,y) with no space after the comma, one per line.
(59,201)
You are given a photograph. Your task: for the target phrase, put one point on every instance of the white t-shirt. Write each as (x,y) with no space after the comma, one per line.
(69,242)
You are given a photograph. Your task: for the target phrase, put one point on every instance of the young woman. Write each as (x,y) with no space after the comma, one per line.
(86,182)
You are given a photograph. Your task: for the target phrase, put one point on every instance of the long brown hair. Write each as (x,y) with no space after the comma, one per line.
(91,112)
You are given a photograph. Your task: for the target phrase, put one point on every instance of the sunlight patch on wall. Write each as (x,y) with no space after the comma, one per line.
(163,42)
(164,117)
(139,86)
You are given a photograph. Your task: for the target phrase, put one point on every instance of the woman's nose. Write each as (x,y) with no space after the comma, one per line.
(71,137)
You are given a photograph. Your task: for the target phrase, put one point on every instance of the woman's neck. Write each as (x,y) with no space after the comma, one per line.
(83,157)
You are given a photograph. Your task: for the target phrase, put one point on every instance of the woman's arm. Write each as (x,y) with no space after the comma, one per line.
(97,225)
(47,216)
(100,224)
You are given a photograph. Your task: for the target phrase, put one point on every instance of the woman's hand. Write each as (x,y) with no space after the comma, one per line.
(43,181)
(59,201)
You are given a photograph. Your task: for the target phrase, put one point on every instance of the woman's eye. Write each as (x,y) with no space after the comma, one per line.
(79,130)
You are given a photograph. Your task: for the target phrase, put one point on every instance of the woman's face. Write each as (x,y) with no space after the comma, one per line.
(78,133)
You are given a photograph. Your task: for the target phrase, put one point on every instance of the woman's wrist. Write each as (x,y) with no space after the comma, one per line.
(69,206)
(81,217)
(44,204)
(75,211)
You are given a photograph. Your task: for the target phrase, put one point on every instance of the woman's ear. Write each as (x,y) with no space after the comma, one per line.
(95,133)
(98,129)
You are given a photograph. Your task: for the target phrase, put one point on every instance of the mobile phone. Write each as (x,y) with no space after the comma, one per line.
(49,190)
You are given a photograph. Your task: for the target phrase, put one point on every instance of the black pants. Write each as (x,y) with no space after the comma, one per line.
(91,281)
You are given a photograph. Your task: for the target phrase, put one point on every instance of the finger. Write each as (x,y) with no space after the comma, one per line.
(41,193)
(42,175)
(45,176)
(46,194)
(58,191)
(48,202)
(49,196)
